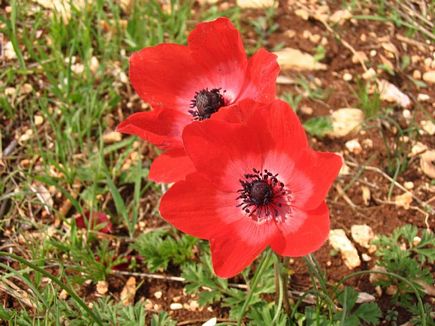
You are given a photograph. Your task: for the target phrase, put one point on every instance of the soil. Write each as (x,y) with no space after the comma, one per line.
(382,215)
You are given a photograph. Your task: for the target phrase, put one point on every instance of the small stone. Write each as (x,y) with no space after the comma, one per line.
(63,295)
(362,234)
(347,77)
(193,305)
(427,163)
(423,97)
(9,51)
(407,114)
(415,58)
(372,249)
(366,257)
(416,74)
(290,33)
(256,3)
(339,241)
(26,88)
(294,59)
(391,290)
(427,62)
(93,66)
(210,322)
(363,37)
(38,120)
(417,149)
(367,143)
(26,136)
(328,263)
(112,137)
(366,195)
(409,185)
(158,294)
(78,68)
(428,126)
(369,74)
(390,47)
(176,306)
(346,121)
(403,200)
(359,56)
(340,17)
(378,291)
(429,77)
(307,110)
(364,297)
(373,53)
(302,13)
(102,287)
(353,146)
(416,241)
(128,292)
(390,93)
(10,91)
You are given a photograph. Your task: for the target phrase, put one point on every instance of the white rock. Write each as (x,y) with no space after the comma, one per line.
(423,97)
(417,149)
(429,77)
(403,200)
(302,13)
(373,53)
(347,77)
(112,137)
(390,93)
(210,322)
(9,51)
(408,185)
(158,294)
(176,306)
(364,297)
(93,66)
(366,195)
(284,80)
(307,110)
(377,277)
(353,146)
(339,241)
(369,74)
(359,56)
(256,3)
(427,163)
(38,120)
(294,59)
(362,234)
(340,16)
(77,68)
(416,74)
(346,121)
(366,257)
(428,126)
(102,287)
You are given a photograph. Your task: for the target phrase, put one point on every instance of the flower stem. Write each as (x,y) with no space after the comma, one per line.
(279,288)
(285,263)
(252,285)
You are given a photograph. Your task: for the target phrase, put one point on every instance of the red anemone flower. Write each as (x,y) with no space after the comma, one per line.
(188,83)
(257,184)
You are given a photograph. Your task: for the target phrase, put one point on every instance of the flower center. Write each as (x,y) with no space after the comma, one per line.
(263,197)
(205,103)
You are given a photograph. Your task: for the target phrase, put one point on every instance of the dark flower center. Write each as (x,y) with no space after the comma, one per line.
(263,196)
(205,103)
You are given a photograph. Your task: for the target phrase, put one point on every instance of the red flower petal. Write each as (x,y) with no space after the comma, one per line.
(218,48)
(261,74)
(166,76)
(171,166)
(308,237)
(97,221)
(160,127)
(232,251)
(313,175)
(196,207)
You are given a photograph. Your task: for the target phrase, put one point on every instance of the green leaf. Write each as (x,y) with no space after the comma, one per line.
(369,312)
(318,126)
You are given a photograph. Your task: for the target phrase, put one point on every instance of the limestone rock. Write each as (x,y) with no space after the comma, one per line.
(339,241)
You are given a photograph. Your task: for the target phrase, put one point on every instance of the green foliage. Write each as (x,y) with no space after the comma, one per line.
(264,313)
(354,316)
(370,103)
(292,99)
(159,248)
(318,126)
(405,254)
(212,289)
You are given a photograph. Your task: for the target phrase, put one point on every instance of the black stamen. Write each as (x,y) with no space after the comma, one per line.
(206,102)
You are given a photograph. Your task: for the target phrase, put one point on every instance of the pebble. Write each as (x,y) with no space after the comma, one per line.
(347,77)
(362,234)
(423,97)
(366,257)
(429,77)
(176,306)
(403,200)
(102,287)
(417,149)
(373,53)
(408,185)
(346,121)
(428,126)
(158,294)
(359,56)
(427,163)
(416,74)
(353,146)
(38,120)
(307,110)
(290,33)
(339,241)
(10,91)
(416,241)
(369,74)
(112,137)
